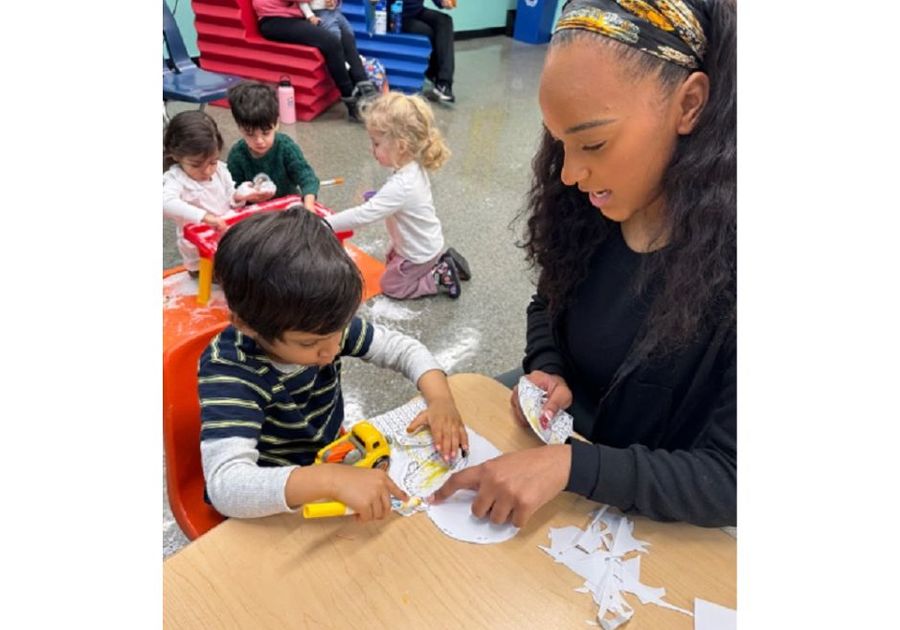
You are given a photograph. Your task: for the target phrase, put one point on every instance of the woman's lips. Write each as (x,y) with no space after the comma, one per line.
(599,199)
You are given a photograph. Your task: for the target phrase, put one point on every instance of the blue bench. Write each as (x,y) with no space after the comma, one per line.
(405,56)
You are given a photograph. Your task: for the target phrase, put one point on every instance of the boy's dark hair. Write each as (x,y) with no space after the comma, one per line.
(254,105)
(284,271)
(190,133)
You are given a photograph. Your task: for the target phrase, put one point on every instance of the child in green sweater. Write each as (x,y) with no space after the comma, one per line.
(262,150)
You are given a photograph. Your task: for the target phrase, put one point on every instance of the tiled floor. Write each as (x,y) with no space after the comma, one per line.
(492,131)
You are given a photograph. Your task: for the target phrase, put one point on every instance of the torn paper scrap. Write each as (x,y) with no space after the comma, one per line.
(595,534)
(408,508)
(710,616)
(597,555)
(624,541)
(531,399)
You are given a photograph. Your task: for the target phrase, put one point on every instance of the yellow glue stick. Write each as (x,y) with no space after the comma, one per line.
(326,509)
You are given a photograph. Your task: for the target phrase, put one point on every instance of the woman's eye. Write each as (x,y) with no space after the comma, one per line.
(593,147)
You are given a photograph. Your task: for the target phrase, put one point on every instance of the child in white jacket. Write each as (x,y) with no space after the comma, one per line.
(197,187)
(405,138)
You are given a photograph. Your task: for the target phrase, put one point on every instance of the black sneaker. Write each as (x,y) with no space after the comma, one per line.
(443,93)
(365,90)
(352,104)
(462,265)
(446,275)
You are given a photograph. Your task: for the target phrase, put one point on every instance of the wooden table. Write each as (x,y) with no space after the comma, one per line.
(285,572)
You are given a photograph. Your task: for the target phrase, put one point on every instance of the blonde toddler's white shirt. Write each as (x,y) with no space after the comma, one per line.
(407,208)
(186,200)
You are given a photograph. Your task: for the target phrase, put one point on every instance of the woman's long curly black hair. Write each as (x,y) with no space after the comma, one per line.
(698,266)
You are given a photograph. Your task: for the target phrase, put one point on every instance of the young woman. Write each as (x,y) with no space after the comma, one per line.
(632,226)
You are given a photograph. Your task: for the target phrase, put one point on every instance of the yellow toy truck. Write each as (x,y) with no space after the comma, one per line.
(363,446)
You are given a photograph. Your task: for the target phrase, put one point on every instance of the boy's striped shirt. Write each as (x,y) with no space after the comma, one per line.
(290,415)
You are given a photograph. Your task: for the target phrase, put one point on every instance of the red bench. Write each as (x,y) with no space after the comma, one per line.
(229,41)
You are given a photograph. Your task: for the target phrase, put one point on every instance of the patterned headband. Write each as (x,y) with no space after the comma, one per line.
(668,29)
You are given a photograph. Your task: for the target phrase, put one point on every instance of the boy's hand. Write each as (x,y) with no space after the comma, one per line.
(262,195)
(215,221)
(257,196)
(446,426)
(367,490)
(314,20)
(309,202)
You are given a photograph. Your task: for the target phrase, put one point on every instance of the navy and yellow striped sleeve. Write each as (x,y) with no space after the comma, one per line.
(357,338)
(232,402)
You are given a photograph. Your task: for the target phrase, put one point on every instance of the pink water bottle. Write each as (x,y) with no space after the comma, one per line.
(287,114)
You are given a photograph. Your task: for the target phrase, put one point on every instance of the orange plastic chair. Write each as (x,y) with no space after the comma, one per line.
(187,330)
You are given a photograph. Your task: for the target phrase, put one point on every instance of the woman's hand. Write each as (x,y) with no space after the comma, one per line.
(215,221)
(367,490)
(559,396)
(447,428)
(512,487)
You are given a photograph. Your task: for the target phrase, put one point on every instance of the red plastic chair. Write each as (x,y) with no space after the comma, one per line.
(229,41)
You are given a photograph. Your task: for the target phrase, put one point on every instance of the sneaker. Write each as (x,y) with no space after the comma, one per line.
(443,93)
(446,276)
(365,90)
(462,265)
(352,103)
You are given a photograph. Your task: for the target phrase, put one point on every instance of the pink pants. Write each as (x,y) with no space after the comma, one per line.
(404,279)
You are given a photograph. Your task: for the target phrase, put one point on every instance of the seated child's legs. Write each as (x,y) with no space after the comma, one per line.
(404,279)
(331,21)
(344,24)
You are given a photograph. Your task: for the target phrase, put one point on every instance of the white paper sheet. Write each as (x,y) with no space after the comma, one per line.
(454,516)
(418,468)
(710,616)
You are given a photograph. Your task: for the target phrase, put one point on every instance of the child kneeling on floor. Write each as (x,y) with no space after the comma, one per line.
(405,138)
(270,383)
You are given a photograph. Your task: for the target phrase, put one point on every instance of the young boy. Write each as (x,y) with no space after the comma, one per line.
(263,150)
(270,383)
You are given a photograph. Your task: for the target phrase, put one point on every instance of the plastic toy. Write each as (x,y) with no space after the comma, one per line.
(206,238)
(362,446)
